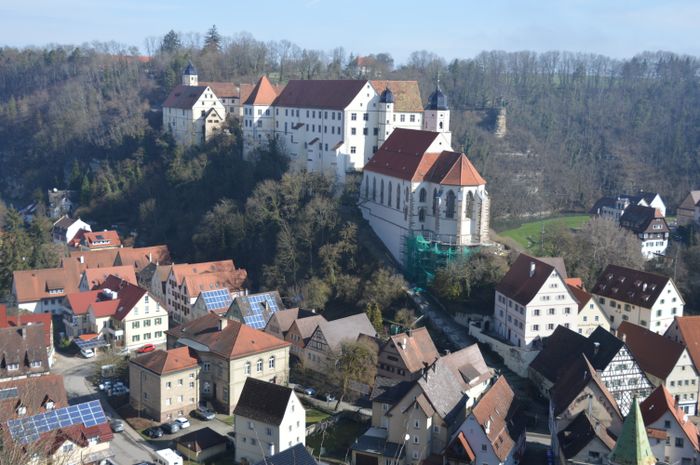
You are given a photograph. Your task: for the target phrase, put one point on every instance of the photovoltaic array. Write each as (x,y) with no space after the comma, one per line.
(30,429)
(262,306)
(217,299)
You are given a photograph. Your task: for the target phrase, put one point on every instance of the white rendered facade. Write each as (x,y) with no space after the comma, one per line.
(590,316)
(682,383)
(553,305)
(324,139)
(657,317)
(677,449)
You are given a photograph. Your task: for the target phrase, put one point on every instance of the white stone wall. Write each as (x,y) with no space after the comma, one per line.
(674,452)
(683,382)
(188,125)
(145,324)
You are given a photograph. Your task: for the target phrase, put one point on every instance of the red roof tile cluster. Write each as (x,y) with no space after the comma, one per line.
(94,277)
(661,401)
(33,394)
(325,94)
(101,239)
(494,413)
(167,361)
(689,328)
(262,94)
(128,296)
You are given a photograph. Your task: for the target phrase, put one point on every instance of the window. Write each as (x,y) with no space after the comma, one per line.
(416,440)
(421,215)
(179,399)
(353,149)
(67,447)
(168,385)
(679,442)
(268,430)
(375,131)
(551,311)
(535,312)
(271,362)
(135,338)
(168,401)
(353,131)
(402,118)
(535,327)
(381,192)
(158,321)
(422,195)
(259,366)
(550,326)
(365,116)
(353,116)
(364,131)
(450,205)
(389,194)
(412,118)
(135,324)
(246,368)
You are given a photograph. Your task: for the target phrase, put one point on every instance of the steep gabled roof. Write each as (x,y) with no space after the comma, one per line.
(101,239)
(201,439)
(324,94)
(222,89)
(468,365)
(167,361)
(31,393)
(578,292)
(140,257)
(263,401)
(262,94)
(454,169)
(661,401)
(21,346)
(608,202)
(419,349)
(496,413)
(128,295)
(634,287)
(689,329)
(404,155)
(526,277)
(183,270)
(94,277)
(295,455)
(285,317)
(233,341)
(184,97)
(34,285)
(406,94)
(655,354)
(343,329)
(579,433)
(26,319)
(638,219)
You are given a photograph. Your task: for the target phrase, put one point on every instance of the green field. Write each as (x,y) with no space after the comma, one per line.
(528,234)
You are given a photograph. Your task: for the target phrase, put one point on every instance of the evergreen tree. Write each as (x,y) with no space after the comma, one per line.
(374,313)
(212,41)
(171,42)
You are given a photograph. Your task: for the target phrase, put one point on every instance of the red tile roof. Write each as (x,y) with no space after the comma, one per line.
(167,361)
(33,394)
(406,94)
(419,349)
(518,285)
(94,277)
(128,296)
(33,319)
(222,89)
(454,169)
(655,354)
(324,94)
(689,328)
(494,413)
(262,94)
(101,239)
(79,302)
(579,294)
(661,401)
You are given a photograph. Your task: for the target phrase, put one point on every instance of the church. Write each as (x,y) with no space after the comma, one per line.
(416,187)
(192,113)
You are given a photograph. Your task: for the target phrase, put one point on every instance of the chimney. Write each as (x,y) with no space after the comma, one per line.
(403,343)
(272,449)
(487,427)
(410,332)
(23,332)
(150,257)
(222,323)
(532,269)
(82,259)
(596,346)
(644,287)
(624,337)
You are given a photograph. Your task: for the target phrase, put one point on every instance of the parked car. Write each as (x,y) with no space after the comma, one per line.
(170,428)
(117,426)
(146,348)
(153,432)
(328,397)
(309,391)
(182,422)
(203,413)
(118,391)
(87,353)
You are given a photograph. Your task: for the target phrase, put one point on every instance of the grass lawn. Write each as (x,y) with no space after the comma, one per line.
(315,416)
(228,419)
(337,439)
(528,234)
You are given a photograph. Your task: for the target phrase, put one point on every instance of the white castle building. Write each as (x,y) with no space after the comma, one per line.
(416,185)
(192,112)
(335,126)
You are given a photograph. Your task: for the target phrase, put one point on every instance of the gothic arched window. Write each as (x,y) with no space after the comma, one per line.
(450,205)
(374,189)
(421,215)
(381,193)
(422,195)
(440,125)
(470,205)
(388,194)
(398,197)
(367,189)
(435,201)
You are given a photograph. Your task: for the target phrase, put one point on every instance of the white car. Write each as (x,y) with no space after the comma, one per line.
(183,422)
(87,353)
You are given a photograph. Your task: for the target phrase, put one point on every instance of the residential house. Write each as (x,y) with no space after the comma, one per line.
(494,431)
(324,343)
(335,126)
(404,356)
(632,446)
(686,330)
(681,443)
(31,396)
(645,299)
(665,362)
(201,444)
(612,208)
(127,316)
(584,440)
(580,389)
(26,319)
(533,299)
(609,356)
(688,212)
(193,113)
(469,368)
(141,257)
(65,229)
(230,352)
(649,226)
(255,309)
(61,202)
(99,240)
(269,418)
(92,278)
(23,351)
(413,419)
(295,455)
(302,325)
(75,318)
(281,321)
(164,384)
(158,281)
(186,281)
(215,301)
(590,315)
(415,188)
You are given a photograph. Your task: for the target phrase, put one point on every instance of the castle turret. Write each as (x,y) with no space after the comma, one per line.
(437,114)
(189,75)
(386,115)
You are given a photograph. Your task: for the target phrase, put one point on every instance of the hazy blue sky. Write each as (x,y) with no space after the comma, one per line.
(617,28)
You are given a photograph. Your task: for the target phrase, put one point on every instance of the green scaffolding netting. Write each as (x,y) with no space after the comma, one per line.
(423,257)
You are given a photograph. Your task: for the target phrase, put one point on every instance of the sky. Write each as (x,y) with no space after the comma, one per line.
(450,28)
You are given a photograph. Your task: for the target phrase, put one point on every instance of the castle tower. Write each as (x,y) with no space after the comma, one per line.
(632,446)
(437,114)
(189,75)
(386,115)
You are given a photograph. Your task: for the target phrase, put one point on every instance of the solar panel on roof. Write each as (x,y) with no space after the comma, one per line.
(8,393)
(91,344)
(261,308)
(217,299)
(26,430)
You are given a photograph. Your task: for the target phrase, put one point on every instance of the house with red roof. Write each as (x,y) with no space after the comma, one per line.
(335,126)
(672,436)
(415,186)
(193,113)
(686,331)
(590,315)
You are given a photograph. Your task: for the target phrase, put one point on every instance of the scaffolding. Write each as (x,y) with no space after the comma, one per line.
(423,257)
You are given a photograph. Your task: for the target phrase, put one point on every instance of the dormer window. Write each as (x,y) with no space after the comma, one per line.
(49,405)
(12,366)
(36,364)
(21,410)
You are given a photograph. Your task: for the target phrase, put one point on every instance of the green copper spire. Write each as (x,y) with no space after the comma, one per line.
(632,446)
